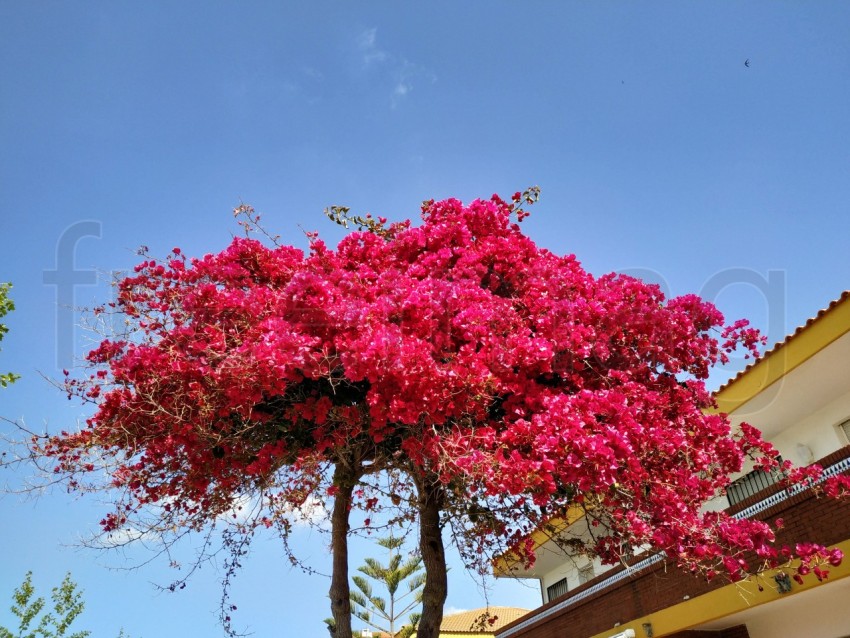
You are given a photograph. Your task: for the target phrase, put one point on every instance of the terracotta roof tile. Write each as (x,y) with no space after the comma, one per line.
(469,621)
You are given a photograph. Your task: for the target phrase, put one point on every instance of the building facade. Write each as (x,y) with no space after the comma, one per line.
(798,395)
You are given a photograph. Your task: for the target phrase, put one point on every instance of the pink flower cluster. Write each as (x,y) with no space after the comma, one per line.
(458,345)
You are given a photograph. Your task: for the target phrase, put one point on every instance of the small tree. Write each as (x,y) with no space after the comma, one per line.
(381,613)
(6,306)
(34,621)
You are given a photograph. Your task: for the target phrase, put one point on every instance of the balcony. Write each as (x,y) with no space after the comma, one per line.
(654,585)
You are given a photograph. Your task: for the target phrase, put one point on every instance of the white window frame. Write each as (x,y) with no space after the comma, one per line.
(844,427)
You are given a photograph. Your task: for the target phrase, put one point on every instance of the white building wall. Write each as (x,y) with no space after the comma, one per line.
(819,432)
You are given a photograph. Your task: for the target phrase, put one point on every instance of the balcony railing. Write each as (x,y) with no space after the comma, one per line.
(842,465)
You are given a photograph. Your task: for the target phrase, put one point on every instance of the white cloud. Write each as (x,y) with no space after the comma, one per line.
(242,509)
(366,39)
(397,71)
(311,513)
(313,72)
(399,93)
(371,54)
(448,611)
(125,536)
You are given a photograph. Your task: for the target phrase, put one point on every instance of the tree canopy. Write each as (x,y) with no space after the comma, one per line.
(504,383)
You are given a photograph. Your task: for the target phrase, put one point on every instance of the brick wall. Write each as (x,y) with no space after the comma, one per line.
(807,517)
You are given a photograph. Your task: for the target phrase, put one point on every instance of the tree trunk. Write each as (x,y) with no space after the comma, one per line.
(340,594)
(431,500)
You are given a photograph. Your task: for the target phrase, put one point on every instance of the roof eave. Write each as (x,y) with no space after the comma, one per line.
(816,334)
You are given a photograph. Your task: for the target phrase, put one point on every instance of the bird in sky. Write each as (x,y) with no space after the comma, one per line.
(747,63)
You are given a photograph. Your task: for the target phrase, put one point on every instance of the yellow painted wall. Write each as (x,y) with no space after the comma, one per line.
(724,602)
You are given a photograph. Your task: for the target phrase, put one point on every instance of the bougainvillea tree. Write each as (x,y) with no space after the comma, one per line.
(502,382)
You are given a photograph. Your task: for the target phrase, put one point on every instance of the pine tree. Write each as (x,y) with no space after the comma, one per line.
(385,614)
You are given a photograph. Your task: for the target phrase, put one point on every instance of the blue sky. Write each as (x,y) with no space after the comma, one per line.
(658,151)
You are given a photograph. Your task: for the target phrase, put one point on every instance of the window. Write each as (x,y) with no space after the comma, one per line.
(558,589)
(845,428)
(585,574)
(750,484)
